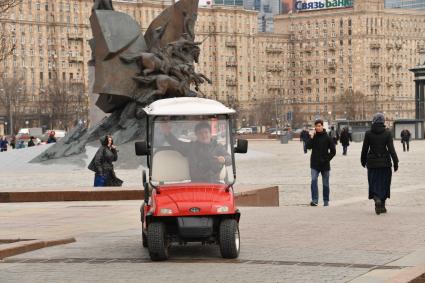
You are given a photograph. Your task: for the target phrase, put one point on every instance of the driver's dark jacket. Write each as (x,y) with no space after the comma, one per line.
(203,166)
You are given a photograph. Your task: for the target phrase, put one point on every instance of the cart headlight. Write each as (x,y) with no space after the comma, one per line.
(222,209)
(165,211)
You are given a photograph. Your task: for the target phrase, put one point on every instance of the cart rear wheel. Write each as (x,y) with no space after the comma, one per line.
(157,243)
(229,238)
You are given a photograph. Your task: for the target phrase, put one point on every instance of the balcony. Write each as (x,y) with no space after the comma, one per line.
(231,44)
(398,65)
(274,86)
(274,68)
(421,48)
(389,84)
(274,49)
(332,84)
(308,66)
(231,82)
(75,59)
(375,45)
(398,83)
(231,63)
(398,46)
(389,65)
(389,46)
(375,83)
(375,65)
(331,46)
(75,36)
(331,65)
(308,48)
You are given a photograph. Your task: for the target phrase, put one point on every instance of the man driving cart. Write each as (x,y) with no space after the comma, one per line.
(206,157)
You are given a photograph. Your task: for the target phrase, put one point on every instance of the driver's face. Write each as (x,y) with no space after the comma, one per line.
(203,135)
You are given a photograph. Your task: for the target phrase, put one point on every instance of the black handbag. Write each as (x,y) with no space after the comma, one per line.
(92,165)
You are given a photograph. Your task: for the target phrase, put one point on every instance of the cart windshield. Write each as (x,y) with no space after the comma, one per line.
(191,149)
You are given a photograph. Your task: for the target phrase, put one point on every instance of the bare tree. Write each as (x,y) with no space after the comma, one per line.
(265,112)
(12,98)
(66,103)
(352,104)
(6,43)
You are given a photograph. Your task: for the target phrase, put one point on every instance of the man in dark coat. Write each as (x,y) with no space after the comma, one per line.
(304,137)
(405,139)
(206,157)
(323,150)
(377,152)
(345,140)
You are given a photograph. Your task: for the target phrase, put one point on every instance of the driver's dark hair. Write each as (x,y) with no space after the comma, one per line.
(202,125)
(318,121)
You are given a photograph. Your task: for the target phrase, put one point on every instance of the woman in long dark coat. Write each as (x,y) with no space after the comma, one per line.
(345,140)
(377,152)
(103,159)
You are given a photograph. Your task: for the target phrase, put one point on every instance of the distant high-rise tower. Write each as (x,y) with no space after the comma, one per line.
(267,10)
(405,4)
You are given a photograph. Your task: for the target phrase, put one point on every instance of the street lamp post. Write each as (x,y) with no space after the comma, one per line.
(6,131)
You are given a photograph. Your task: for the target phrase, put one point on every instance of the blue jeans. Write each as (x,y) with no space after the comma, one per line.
(314,189)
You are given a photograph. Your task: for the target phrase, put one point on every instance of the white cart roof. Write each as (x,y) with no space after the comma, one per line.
(186,106)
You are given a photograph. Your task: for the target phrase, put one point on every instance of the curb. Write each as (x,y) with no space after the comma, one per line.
(31,245)
(268,196)
(407,274)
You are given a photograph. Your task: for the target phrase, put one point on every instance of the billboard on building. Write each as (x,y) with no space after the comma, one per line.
(291,6)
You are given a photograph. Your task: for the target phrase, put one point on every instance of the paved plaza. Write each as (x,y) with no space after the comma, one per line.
(345,242)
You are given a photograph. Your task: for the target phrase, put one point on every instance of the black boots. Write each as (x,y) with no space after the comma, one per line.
(383,208)
(379,205)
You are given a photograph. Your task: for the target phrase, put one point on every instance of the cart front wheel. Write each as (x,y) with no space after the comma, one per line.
(157,243)
(229,238)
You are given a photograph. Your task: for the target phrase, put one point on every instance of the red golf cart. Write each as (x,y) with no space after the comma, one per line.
(189,189)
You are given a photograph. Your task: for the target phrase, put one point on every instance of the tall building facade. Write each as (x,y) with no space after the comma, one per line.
(316,63)
(405,4)
(352,62)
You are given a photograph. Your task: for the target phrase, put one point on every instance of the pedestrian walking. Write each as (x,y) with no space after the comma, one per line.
(405,139)
(31,142)
(51,138)
(13,142)
(334,135)
(345,140)
(102,164)
(377,152)
(304,137)
(323,150)
(3,144)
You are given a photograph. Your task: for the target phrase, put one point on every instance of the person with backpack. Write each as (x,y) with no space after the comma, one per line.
(304,137)
(334,135)
(345,140)
(323,150)
(405,139)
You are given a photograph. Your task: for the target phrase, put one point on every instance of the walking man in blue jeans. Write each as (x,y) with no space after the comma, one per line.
(323,150)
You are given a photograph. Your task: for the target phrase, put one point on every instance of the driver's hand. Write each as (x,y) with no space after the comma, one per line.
(165,128)
(220,159)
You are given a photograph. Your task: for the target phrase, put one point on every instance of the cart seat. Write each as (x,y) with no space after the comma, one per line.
(170,166)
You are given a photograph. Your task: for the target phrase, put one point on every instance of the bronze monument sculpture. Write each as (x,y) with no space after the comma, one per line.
(133,70)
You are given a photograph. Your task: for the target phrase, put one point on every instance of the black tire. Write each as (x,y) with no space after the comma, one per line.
(157,243)
(229,238)
(144,240)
